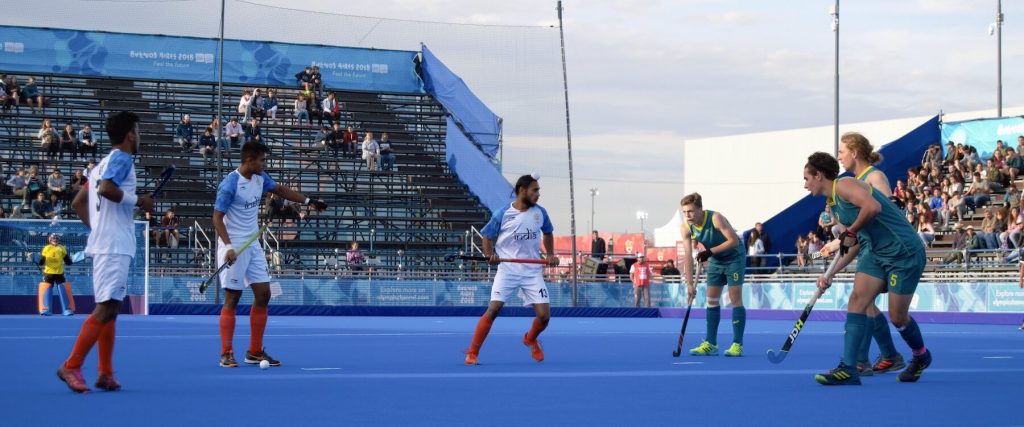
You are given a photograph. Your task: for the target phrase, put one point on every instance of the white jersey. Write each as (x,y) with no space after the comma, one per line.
(239,199)
(517,234)
(113,228)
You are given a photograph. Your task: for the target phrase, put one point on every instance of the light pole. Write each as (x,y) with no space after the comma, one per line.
(641,215)
(594,192)
(835,107)
(997,29)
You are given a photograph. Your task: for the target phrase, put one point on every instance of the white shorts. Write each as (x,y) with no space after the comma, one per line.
(533,289)
(110,276)
(250,267)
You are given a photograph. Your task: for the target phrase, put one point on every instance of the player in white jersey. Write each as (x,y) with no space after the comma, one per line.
(106,208)
(235,218)
(516,232)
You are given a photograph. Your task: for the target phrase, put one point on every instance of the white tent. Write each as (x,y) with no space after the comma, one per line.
(668,234)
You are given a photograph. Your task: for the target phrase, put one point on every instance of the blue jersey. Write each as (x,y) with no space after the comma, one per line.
(239,199)
(517,234)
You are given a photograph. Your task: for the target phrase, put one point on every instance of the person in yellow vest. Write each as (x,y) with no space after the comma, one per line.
(53,258)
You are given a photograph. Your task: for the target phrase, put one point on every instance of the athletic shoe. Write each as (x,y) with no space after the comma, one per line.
(535,351)
(891,364)
(255,358)
(227,360)
(840,375)
(704,349)
(735,350)
(44,313)
(917,366)
(471,359)
(1021,326)
(865,369)
(68,313)
(107,382)
(73,378)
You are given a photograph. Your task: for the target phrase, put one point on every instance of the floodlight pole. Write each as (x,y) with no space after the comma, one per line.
(220,120)
(568,139)
(835,107)
(999,60)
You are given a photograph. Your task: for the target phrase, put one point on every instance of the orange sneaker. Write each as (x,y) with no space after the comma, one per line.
(107,382)
(73,378)
(471,359)
(535,350)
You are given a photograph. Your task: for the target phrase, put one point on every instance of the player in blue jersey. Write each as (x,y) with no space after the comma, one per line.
(873,220)
(235,219)
(106,207)
(517,232)
(727,263)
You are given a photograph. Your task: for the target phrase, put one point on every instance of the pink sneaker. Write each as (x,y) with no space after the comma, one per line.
(107,382)
(73,378)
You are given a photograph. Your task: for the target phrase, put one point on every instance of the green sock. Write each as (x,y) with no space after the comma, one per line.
(865,343)
(851,340)
(714,316)
(912,335)
(884,337)
(739,321)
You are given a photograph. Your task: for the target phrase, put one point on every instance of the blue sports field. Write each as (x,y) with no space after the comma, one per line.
(408,371)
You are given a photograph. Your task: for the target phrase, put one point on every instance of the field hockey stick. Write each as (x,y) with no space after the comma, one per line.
(781,355)
(451,258)
(206,284)
(686,319)
(165,177)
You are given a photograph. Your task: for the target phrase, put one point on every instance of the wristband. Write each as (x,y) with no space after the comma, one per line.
(228,247)
(130,199)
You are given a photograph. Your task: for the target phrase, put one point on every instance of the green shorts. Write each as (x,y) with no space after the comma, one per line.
(902,276)
(868,264)
(730,272)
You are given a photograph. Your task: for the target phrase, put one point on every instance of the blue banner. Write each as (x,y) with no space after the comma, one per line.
(94,53)
(982,134)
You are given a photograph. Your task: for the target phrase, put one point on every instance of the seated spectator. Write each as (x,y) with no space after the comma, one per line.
(329,110)
(814,243)
(77,184)
(154,229)
(258,105)
(56,184)
(316,80)
(301,113)
(349,140)
(1010,239)
(183,134)
(245,105)
(1012,197)
(959,244)
(323,138)
(354,256)
(932,156)
(1014,164)
(801,250)
(990,227)
(169,224)
(207,145)
(371,151)
(994,176)
(670,271)
(334,140)
(69,142)
(387,156)
(48,139)
(32,96)
(19,184)
(234,132)
(827,224)
(41,208)
(85,138)
(925,230)
(978,194)
(35,183)
(9,95)
(972,242)
(270,105)
(304,78)
(950,157)
(252,132)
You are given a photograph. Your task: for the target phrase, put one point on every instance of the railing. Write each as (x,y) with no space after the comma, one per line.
(203,253)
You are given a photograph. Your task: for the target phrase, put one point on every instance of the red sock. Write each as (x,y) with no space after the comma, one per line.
(106,344)
(257,325)
(86,339)
(227,328)
(535,330)
(483,327)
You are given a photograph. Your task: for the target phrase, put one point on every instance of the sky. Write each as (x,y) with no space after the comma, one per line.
(643,76)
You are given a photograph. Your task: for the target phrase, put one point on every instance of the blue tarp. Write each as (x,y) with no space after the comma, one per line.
(476,120)
(476,170)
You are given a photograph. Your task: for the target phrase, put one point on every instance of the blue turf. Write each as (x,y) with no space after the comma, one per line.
(408,371)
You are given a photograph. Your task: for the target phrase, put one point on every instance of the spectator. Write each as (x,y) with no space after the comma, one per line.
(640,274)
(315,80)
(925,230)
(88,167)
(154,228)
(169,224)
(19,185)
(951,156)
(334,139)
(234,132)
(12,93)
(944,211)
(978,194)
(972,242)
(801,250)
(814,243)
(304,78)
(827,225)
(184,135)
(669,273)
(245,105)
(932,156)
(252,132)
(371,151)
(41,208)
(270,104)
(1020,145)
(1014,164)
(32,96)
(69,142)
(301,113)
(1012,197)
(989,227)
(959,244)
(764,237)
(598,248)
(207,145)
(48,139)
(85,138)
(323,138)
(35,183)
(993,175)
(354,257)
(258,105)
(77,184)
(755,249)
(900,190)
(1011,237)
(329,109)
(349,141)
(56,183)
(387,156)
